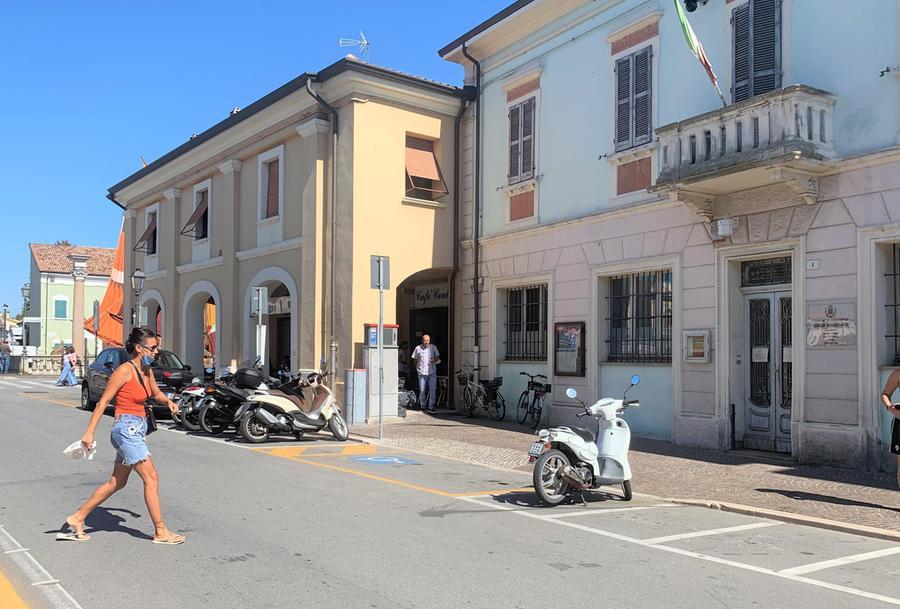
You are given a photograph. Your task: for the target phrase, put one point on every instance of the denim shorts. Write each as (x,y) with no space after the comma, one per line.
(127,437)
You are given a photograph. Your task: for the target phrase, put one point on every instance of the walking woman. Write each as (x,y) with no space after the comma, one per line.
(893,383)
(132,385)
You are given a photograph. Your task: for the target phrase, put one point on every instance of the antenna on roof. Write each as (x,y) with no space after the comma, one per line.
(362,43)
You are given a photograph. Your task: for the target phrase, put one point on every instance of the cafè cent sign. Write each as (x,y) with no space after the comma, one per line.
(429,297)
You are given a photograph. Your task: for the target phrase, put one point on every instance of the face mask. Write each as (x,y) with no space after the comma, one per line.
(147,360)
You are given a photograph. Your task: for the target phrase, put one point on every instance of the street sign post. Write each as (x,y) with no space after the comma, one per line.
(381,280)
(260,307)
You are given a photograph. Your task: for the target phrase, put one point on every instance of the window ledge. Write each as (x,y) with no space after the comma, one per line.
(632,154)
(269,221)
(423,203)
(202,241)
(520,187)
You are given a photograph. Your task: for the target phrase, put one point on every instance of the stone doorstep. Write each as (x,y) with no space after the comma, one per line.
(812,521)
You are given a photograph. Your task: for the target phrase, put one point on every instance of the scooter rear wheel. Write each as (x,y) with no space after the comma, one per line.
(190,421)
(626,490)
(549,485)
(211,421)
(252,430)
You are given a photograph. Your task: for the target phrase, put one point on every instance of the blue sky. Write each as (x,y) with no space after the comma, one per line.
(88,87)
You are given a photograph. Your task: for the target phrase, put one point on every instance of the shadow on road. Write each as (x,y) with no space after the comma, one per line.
(105,519)
(804,496)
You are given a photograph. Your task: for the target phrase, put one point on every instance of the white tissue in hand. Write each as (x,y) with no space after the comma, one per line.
(76,451)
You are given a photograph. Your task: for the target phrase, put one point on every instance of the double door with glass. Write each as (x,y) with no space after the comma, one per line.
(768,376)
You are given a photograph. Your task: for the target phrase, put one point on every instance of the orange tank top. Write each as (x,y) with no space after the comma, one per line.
(133,395)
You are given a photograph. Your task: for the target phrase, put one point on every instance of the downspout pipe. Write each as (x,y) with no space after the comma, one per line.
(467,96)
(334,145)
(477,196)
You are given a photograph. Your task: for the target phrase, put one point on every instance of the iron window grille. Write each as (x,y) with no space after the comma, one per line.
(893,304)
(640,317)
(772,271)
(526,323)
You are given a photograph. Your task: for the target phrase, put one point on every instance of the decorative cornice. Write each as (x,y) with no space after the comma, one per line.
(129,214)
(172,194)
(634,26)
(805,185)
(200,265)
(230,166)
(157,275)
(701,203)
(313,126)
(274,248)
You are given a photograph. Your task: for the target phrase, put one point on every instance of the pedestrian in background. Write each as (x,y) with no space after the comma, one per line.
(133,386)
(427,358)
(893,383)
(5,352)
(209,366)
(72,356)
(66,369)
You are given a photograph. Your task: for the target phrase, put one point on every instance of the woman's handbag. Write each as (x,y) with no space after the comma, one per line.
(895,437)
(148,404)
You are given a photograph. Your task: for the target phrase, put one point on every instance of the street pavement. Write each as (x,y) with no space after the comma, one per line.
(756,480)
(316,523)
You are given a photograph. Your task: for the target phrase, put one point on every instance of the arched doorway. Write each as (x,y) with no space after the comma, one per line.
(423,307)
(280,325)
(153,314)
(201,317)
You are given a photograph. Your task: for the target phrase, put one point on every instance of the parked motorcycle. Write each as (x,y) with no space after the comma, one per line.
(189,401)
(573,459)
(225,397)
(288,409)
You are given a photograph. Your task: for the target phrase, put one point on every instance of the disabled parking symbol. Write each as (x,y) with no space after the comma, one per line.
(386,460)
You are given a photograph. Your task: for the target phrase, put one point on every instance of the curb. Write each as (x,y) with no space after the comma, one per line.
(811,521)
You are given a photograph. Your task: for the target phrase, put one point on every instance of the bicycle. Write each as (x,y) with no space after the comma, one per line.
(531,402)
(443,389)
(482,394)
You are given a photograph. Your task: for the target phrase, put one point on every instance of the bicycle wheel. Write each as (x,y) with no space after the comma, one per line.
(469,402)
(522,410)
(497,407)
(537,407)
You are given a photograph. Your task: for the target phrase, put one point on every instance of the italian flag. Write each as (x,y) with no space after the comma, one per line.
(696,48)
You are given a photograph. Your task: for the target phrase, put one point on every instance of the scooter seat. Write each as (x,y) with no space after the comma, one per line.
(292,397)
(585,434)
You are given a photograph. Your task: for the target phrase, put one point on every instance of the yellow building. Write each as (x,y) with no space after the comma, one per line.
(264,199)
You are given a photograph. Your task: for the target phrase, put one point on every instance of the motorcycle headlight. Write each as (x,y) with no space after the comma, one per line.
(544,433)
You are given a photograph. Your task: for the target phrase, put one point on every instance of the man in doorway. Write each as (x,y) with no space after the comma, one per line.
(427,358)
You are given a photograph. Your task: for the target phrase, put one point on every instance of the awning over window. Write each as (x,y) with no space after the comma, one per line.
(422,168)
(194,227)
(147,242)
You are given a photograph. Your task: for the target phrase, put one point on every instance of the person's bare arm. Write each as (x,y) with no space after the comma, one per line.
(889,388)
(116,381)
(159,396)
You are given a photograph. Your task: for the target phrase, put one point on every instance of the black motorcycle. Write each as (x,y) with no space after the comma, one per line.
(224,398)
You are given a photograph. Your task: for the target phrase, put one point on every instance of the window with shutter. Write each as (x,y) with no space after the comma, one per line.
(623,103)
(272,179)
(642,127)
(515,117)
(756,36)
(633,99)
(527,141)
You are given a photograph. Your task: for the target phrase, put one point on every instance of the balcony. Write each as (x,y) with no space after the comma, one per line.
(783,137)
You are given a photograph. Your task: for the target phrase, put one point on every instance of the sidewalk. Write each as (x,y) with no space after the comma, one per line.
(664,470)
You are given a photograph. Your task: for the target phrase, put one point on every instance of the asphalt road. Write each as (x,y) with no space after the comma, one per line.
(322,524)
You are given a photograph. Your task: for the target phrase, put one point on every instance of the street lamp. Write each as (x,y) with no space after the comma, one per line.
(5,322)
(137,286)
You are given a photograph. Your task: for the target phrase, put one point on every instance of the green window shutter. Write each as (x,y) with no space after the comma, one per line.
(623,102)
(527,140)
(515,148)
(740,24)
(765,16)
(642,129)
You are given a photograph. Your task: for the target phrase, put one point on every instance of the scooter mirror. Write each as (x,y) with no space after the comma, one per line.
(571,393)
(635,379)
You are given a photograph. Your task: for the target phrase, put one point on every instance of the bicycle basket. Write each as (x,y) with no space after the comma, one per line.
(463,378)
(493,383)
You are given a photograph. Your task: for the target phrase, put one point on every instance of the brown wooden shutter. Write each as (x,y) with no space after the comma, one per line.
(623,102)
(642,128)
(740,26)
(272,188)
(765,16)
(527,141)
(515,148)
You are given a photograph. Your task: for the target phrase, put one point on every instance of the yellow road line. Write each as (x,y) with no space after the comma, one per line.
(409,485)
(9,598)
(31,396)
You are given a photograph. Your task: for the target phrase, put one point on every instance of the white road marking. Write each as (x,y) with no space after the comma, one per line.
(743,527)
(37,575)
(8,384)
(636,508)
(688,553)
(33,384)
(837,562)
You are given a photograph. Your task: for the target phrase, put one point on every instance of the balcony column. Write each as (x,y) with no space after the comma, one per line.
(228,208)
(170,282)
(79,273)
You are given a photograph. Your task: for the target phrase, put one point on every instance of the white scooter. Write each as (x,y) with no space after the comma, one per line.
(572,459)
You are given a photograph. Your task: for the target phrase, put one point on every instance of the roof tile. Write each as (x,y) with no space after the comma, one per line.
(51,258)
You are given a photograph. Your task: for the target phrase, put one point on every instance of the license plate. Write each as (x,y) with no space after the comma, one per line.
(536,449)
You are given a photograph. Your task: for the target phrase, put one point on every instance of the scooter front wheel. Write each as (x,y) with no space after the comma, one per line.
(253,430)
(549,484)
(338,427)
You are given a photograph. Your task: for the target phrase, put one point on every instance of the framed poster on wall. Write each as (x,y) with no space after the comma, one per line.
(569,340)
